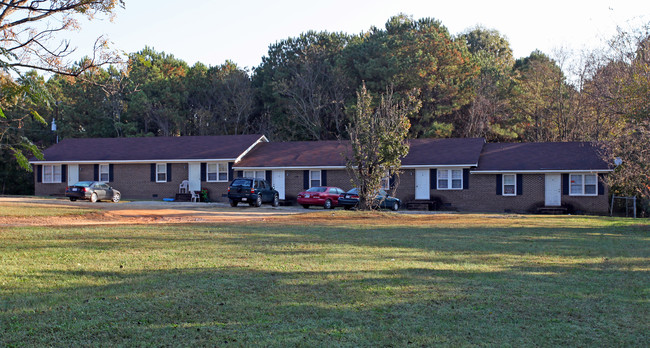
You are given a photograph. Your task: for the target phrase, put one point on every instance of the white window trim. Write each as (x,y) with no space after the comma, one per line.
(449,179)
(164,165)
(320,178)
(583,185)
(108,172)
(216,164)
(503,185)
(53,181)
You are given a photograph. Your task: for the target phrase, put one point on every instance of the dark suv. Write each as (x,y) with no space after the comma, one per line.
(252,191)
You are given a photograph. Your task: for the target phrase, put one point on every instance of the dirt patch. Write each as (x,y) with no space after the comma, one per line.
(134,213)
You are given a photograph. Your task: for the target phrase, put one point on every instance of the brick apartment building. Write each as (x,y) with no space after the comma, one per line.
(463,174)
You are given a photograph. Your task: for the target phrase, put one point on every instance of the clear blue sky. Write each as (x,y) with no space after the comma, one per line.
(213,31)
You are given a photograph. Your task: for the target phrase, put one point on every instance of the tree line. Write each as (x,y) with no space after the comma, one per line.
(466,85)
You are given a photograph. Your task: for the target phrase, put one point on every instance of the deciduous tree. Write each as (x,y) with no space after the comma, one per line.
(377,142)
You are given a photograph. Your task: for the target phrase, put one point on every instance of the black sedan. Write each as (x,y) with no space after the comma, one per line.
(350,199)
(93,191)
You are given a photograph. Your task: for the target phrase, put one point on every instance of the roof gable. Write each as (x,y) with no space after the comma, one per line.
(222,147)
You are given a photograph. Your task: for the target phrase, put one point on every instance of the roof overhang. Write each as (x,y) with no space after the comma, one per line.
(542,171)
(288,168)
(262,139)
(137,161)
(415,166)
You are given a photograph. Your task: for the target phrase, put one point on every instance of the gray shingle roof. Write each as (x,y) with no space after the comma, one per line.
(149,148)
(541,157)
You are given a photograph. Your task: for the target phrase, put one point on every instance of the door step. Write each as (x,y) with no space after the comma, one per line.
(552,210)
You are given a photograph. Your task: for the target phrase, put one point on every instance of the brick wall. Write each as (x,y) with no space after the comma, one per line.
(481,195)
(133,181)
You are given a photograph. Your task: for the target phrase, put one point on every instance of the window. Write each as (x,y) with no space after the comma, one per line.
(51,173)
(314,178)
(509,184)
(259,174)
(583,185)
(450,179)
(385,182)
(104,173)
(161,172)
(217,172)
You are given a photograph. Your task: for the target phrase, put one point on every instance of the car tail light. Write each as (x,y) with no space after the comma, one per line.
(67,188)
(252,190)
(85,189)
(228,188)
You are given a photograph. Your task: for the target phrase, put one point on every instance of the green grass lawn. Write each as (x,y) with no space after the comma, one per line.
(322,280)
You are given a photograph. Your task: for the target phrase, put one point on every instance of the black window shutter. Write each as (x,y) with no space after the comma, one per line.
(64,173)
(169,172)
(323,177)
(433,177)
(520,184)
(153,172)
(499,184)
(240,174)
(96,172)
(39,173)
(203,171)
(110,173)
(269,176)
(305,179)
(565,184)
(391,181)
(230,172)
(465,178)
(601,184)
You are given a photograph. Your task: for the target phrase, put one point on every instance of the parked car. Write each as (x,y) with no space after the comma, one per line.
(325,196)
(252,191)
(350,199)
(93,191)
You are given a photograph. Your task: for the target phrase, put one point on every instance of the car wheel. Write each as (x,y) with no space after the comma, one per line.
(93,197)
(276,201)
(116,197)
(258,201)
(72,199)
(233,203)
(395,206)
(306,206)
(328,204)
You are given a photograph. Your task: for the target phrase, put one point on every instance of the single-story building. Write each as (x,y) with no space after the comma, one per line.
(146,167)
(464,174)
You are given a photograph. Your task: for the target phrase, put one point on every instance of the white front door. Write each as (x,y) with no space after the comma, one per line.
(278,182)
(553,190)
(422,189)
(194,176)
(73,174)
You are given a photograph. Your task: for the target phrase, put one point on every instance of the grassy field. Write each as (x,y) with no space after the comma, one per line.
(347,279)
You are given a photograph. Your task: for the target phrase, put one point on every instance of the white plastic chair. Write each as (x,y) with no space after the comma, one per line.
(195,196)
(184,187)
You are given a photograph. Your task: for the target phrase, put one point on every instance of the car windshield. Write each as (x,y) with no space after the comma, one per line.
(241,182)
(317,189)
(353,191)
(84,183)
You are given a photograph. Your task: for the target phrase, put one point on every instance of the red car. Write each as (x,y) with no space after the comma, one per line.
(326,196)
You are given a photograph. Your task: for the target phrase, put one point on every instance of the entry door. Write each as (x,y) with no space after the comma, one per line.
(553,189)
(422,189)
(73,174)
(278,182)
(194,176)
